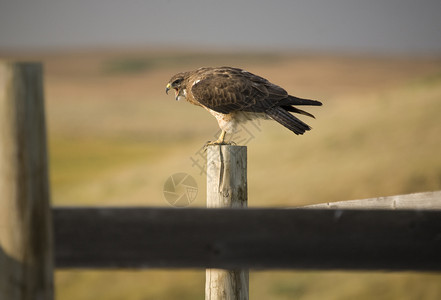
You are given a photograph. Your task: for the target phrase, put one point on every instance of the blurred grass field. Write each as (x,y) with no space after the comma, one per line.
(115,137)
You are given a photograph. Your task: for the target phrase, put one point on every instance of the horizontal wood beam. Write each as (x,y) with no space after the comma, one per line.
(320,239)
(426,200)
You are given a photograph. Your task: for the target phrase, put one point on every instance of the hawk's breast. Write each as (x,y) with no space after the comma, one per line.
(229,122)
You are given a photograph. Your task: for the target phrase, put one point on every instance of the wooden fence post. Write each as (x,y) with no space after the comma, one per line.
(226,187)
(26,259)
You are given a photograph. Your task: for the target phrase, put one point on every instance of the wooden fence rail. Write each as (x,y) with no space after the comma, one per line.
(253,238)
(426,200)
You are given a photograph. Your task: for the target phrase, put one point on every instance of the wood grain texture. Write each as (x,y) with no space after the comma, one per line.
(26,257)
(427,200)
(227,176)
(227,188)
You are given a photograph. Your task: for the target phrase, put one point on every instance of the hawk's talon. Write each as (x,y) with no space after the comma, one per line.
(217,143)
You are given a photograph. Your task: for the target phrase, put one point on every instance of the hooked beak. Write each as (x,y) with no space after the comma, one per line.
(168,87)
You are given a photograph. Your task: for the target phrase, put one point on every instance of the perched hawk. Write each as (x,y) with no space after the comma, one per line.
(233,96)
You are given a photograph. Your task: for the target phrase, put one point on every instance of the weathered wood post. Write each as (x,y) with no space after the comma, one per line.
(226,187)
(26,260)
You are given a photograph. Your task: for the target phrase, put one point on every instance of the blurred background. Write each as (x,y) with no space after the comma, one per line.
(115,137)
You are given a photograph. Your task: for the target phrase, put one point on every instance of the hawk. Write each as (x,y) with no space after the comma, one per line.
(233,96)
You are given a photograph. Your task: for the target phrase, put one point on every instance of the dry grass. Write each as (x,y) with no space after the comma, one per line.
(115,137)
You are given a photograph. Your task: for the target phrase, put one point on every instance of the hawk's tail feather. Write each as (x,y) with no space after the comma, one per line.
(296,110)
(288,120)
(291,100)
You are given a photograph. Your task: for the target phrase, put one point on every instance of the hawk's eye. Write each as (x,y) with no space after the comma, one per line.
(177,82)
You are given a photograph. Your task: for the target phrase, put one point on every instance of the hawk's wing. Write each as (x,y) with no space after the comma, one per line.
(228,89)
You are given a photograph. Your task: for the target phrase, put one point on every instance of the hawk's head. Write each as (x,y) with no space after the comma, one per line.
(177,82)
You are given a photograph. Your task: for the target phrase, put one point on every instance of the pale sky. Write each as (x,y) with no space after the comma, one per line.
(391,26)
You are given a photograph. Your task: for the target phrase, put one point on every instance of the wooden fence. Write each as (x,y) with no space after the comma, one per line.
(332,236)
(247,238)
